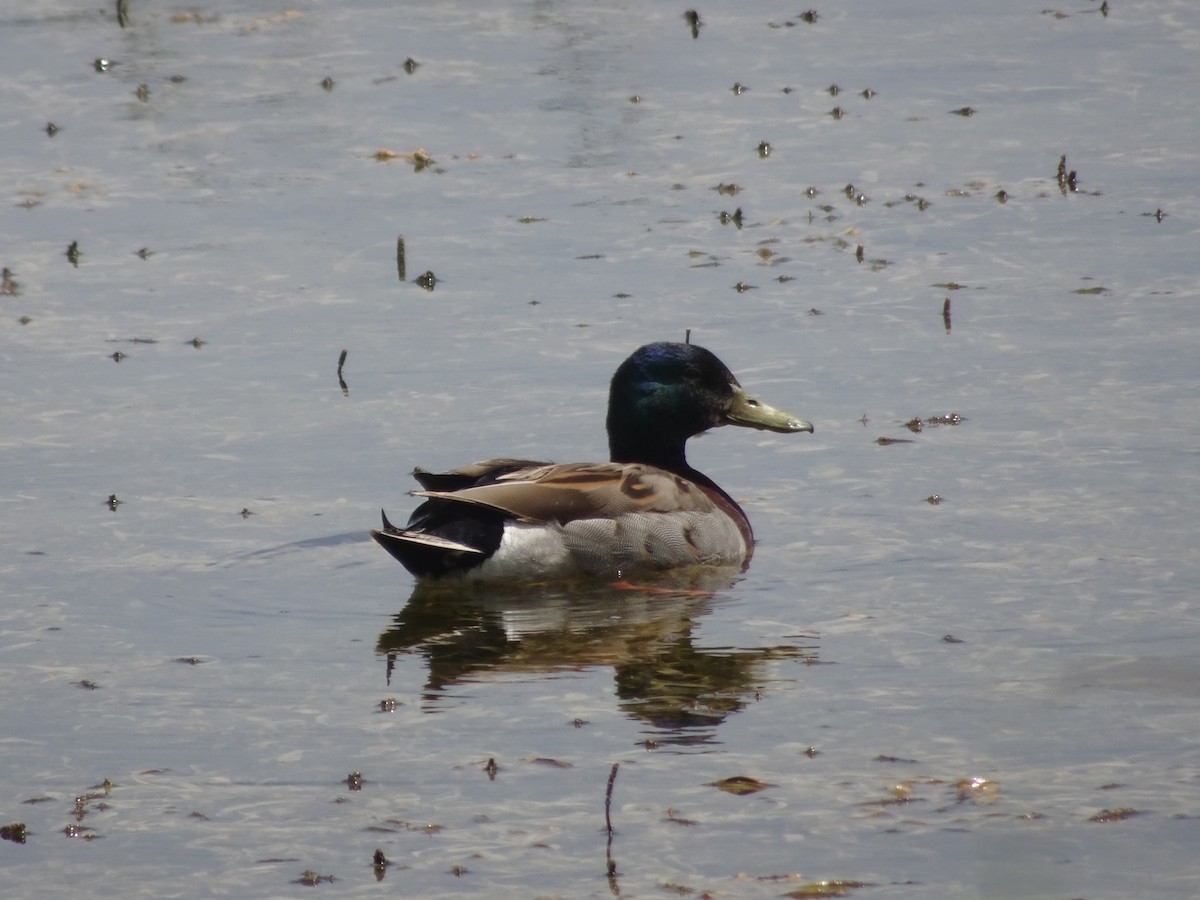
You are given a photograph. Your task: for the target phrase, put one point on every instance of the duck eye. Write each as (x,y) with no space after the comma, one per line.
(691,373)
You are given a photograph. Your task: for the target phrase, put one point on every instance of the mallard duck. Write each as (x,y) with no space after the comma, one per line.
(645,510)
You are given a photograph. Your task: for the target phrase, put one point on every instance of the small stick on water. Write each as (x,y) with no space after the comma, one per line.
(341,380)
(401,266)
(611,863)
(687,335)
(946,315)
(612,779)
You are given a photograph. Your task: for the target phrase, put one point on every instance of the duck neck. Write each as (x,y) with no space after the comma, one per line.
(669,455)
(666,454)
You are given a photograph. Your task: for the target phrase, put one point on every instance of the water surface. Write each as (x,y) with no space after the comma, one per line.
(993,695)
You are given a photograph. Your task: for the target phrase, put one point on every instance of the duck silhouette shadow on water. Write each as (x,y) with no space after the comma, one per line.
(467,631)
(470,633)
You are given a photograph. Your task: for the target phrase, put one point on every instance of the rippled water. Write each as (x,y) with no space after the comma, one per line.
(966,662)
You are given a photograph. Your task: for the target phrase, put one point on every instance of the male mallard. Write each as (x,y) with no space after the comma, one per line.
(647,509)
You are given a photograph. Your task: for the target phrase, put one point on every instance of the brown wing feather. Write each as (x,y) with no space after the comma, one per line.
(566,493)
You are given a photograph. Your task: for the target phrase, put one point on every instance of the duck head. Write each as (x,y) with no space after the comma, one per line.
(665,393)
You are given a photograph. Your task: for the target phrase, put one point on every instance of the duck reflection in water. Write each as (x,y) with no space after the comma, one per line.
(470,632)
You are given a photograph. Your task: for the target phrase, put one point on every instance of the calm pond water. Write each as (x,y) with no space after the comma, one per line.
(965,661)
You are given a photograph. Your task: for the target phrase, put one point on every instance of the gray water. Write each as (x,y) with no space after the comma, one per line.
(994,695)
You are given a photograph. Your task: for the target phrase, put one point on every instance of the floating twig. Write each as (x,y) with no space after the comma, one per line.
(612,779)
(611,864)
(1067,181)
(341,380)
